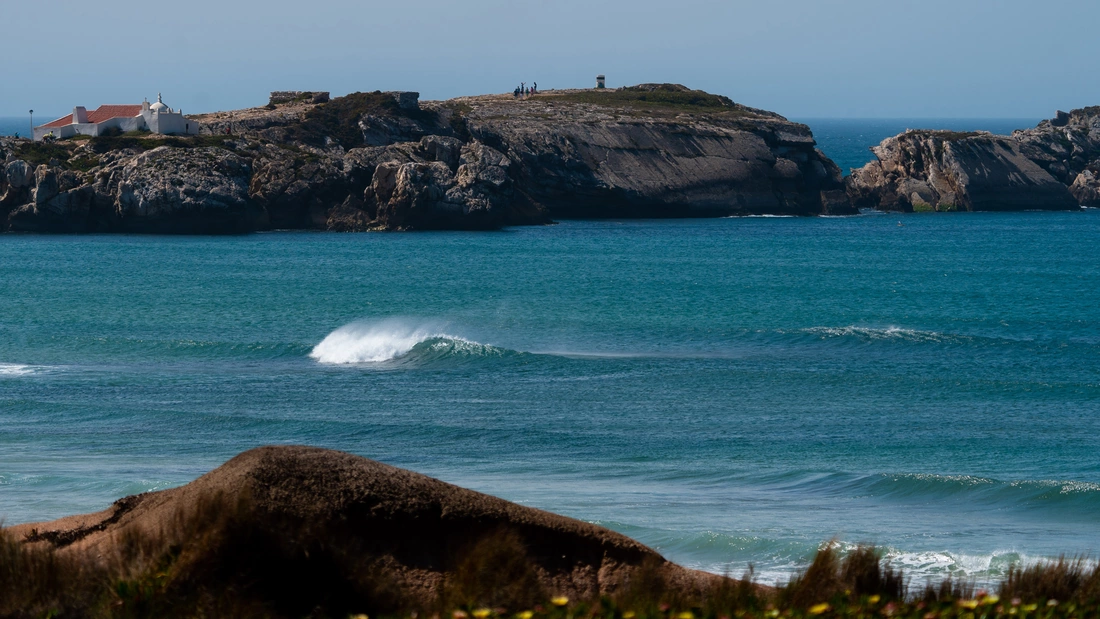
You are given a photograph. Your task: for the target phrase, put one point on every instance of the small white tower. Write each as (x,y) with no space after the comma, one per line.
(159,106)
(601,81)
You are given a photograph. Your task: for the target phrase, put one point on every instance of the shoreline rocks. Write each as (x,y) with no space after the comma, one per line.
(1050,167)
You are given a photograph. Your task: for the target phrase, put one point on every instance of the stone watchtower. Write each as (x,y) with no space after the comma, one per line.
(601,82)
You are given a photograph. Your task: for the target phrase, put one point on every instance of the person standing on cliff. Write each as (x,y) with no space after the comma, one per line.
(534,87)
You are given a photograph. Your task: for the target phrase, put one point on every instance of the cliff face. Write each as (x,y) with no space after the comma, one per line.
(579,156)
(1051,167)
(385,161)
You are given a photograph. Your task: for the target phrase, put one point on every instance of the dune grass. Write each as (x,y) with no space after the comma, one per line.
(219,560)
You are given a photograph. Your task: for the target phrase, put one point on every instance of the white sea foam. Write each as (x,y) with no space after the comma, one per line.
(15,369)
(1063,487)
(984,569)
(377,342)
(883,333)
(919,566)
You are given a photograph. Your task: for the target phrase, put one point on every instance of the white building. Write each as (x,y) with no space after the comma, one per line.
(157,118)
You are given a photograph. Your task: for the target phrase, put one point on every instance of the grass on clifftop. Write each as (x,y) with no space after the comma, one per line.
(947,135)
(671,96)
(38,153)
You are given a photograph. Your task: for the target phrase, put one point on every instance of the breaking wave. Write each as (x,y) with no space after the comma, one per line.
(397,341)
(14,370)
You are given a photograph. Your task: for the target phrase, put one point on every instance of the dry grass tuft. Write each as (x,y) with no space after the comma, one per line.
(495,572)
(1063,580)
(36,582)
(831,578)
(948,590)
(216,559)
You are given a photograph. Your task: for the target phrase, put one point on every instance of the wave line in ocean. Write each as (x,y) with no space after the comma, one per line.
(394,340)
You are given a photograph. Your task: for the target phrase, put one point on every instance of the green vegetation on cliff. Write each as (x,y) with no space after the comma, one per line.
(666,95)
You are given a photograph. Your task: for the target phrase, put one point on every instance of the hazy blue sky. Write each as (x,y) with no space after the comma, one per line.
(801,58)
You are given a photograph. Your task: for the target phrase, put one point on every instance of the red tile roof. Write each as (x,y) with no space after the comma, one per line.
(100,114)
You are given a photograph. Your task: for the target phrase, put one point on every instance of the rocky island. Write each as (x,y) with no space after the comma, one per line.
(387,161)
(1054,166)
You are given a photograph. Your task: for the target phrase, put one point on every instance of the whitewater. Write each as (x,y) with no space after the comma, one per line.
(728,391)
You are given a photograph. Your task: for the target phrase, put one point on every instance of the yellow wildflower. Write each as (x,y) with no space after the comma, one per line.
(874,599)
(968,603)
(482,613)
(360,616)
(560,600)
(525,615)
(990,600)
(628,614)
(817,609)
(685,615)
(1028,608)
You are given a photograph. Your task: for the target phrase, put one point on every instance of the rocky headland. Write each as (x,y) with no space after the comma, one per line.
(387,161)
(1054,166)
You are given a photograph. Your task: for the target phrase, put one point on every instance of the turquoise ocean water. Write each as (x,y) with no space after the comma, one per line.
(728,390)
(12,125)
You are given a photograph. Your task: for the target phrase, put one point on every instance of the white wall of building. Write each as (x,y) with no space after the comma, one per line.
(170,123)
(163,122)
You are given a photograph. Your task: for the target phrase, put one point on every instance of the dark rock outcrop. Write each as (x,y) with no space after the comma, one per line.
(1045,168)
(337,515)
(1086,187)
(182,190)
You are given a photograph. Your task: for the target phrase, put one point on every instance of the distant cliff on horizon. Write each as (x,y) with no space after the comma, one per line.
(385,161)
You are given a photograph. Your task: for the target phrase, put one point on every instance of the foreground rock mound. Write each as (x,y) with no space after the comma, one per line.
(1051,167)
(386,161)
(289,529)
